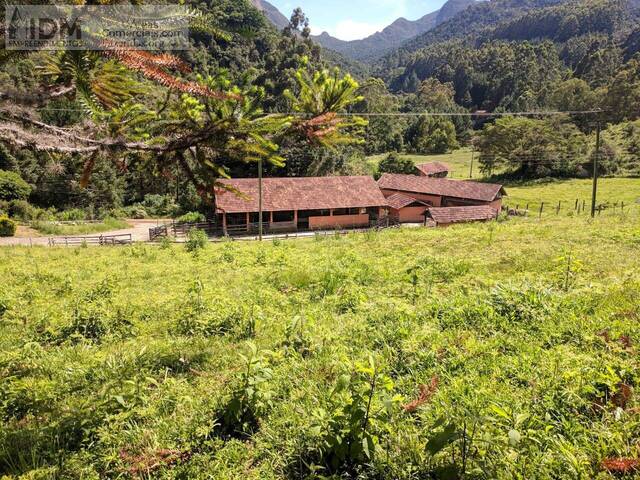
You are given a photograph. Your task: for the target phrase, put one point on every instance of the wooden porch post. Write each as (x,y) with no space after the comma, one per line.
(295,218)
(248,220)
(270,217)
(224,223)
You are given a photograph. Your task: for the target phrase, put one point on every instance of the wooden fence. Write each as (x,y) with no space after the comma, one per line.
(579,207)
(180,230)
(102,240)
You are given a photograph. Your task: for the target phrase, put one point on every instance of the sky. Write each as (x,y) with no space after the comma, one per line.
(355,19)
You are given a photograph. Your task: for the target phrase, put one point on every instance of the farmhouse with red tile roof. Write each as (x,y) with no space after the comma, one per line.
(442,192)
(327,203)
(433,169)
(301,203)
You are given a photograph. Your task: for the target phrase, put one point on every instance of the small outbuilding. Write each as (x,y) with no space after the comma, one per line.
(406,209)
(433,170)
(445,216)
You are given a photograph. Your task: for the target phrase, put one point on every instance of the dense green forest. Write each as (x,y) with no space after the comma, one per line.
(499,56)
(244,51)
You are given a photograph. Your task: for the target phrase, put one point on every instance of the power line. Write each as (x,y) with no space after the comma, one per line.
(481,114)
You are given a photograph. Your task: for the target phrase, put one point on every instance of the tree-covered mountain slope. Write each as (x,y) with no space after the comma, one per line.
(504,53)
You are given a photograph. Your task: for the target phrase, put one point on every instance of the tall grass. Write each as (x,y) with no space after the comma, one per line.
(79,228)
(503,350)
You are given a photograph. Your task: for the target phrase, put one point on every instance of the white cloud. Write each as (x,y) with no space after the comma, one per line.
(350,29)
(353,30)
(364,18)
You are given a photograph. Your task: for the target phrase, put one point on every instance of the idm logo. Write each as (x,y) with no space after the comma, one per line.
(35,25)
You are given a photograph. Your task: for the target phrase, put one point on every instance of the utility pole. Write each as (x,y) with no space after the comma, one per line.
(596,158)
(260,199)
(473,156)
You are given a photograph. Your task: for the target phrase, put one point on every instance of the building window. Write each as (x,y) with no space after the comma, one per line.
(340,211)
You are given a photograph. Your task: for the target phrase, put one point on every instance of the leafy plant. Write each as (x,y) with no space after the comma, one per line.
(357,416)
(251,398)
(191,217)
(197,240)
(13,187)
(197,317)
(296,338)
(567,270)
(7,227)
(95,316)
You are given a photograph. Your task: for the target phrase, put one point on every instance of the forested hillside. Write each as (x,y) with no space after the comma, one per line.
(479,49)
(246,50)
(498,56)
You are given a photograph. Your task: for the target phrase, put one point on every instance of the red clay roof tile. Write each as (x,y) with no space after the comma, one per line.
(448,215)
(286,194)
(484,192)
(433,168)
(398,201)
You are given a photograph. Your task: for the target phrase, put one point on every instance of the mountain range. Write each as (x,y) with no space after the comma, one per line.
(377,45)
(272,13)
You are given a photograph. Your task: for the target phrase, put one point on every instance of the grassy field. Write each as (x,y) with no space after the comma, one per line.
(459,161)
(489,351)
(80,228)
(611,191)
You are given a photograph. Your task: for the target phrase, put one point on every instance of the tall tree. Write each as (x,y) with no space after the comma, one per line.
(156,104)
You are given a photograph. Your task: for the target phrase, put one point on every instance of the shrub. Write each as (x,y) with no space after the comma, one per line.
(26,212)
(74,214)
(348,431)
(136,212)
(160,205)
(191,217)
(196,240)
(7,227)
(13,187)
(95,316)
(394,163)
(251,399)
(197,317)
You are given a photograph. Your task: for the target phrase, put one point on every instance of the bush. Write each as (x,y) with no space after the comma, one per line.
(160,205)
(26,212)
(394,163)
(191,217)
(137,212)
(13,187)
(74,214)
(196,240)
(251,398)
(7,227)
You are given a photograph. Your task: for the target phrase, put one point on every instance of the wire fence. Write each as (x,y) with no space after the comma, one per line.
(579,207)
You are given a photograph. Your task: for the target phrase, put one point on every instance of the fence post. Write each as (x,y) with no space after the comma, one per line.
(558,210)
(541,209)
(576,207)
